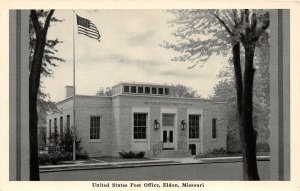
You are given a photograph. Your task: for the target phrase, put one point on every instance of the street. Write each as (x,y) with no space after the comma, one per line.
(213,171)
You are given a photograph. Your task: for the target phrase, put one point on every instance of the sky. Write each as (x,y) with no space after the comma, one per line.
(129,51)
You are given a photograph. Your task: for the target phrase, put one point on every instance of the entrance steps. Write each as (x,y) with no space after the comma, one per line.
(175,154)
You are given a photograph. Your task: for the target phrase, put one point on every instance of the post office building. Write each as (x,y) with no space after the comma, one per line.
(141,117)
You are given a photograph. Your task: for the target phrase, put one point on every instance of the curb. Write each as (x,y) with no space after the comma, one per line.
(229,160)
(149,164)
(107,166)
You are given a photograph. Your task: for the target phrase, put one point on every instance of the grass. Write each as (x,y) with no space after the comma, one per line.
(112,159)
(119,159)
(101,160)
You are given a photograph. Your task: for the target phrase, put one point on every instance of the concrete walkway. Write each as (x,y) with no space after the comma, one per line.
(80,165)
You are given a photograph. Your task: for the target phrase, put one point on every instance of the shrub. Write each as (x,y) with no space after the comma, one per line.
(61,149)
(55,157)
(233,142)
(132,154)
(215,152)
(66,144)
(140,155)
(43,158)
(82,155)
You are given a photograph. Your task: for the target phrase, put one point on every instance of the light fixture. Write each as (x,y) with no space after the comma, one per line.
(183,125)
(156,124)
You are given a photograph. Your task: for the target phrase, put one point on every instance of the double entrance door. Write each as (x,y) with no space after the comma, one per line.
(168,131)
(168,140)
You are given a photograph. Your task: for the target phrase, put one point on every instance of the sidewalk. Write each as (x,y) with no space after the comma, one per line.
(80,165)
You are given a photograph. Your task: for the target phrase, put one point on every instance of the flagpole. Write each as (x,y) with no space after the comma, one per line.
(74,89)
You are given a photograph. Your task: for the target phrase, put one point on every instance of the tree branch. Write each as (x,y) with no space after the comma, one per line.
(265,25)
(247,24)
(242,17)
(223,24)
(47,22)
(235,17)
(35,22)
(253,22)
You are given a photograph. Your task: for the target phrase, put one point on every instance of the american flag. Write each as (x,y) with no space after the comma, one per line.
(87,28)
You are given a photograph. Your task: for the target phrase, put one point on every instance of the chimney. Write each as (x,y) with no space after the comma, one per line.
(69,91)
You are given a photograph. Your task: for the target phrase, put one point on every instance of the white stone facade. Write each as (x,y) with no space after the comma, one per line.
(116,114)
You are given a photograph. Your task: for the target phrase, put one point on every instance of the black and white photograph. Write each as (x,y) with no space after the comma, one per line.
(149,98)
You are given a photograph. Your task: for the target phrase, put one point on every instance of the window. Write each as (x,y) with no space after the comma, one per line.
(214,128)
(167,91)
(147,90)
(95,127)
(161,91)
(55,125)
(140,125)
(168,120)
(61,124)
(55,133)
(50,127)
(154,90)
(68,121)
(194,126)
(133,89)
(126,89)
(141,90)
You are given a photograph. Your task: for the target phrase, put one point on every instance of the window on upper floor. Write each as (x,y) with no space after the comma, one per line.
(126,89)
(140,89)
(133,89)
(154,90)
(167,91)
(161,91)
(147,90)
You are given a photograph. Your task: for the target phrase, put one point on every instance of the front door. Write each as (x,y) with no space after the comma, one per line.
(168,131)
(168,142)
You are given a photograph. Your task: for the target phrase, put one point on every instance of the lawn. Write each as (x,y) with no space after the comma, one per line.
(113,159)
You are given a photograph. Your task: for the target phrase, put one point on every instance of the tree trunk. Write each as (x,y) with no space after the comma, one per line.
(34,83)
(247,102)
(239,93)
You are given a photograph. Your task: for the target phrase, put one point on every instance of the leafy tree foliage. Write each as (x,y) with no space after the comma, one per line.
(225,91)
(60,148)
(104,92)
(44,103)
(42,55)
(64,143)
(180,90)
(203,33)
